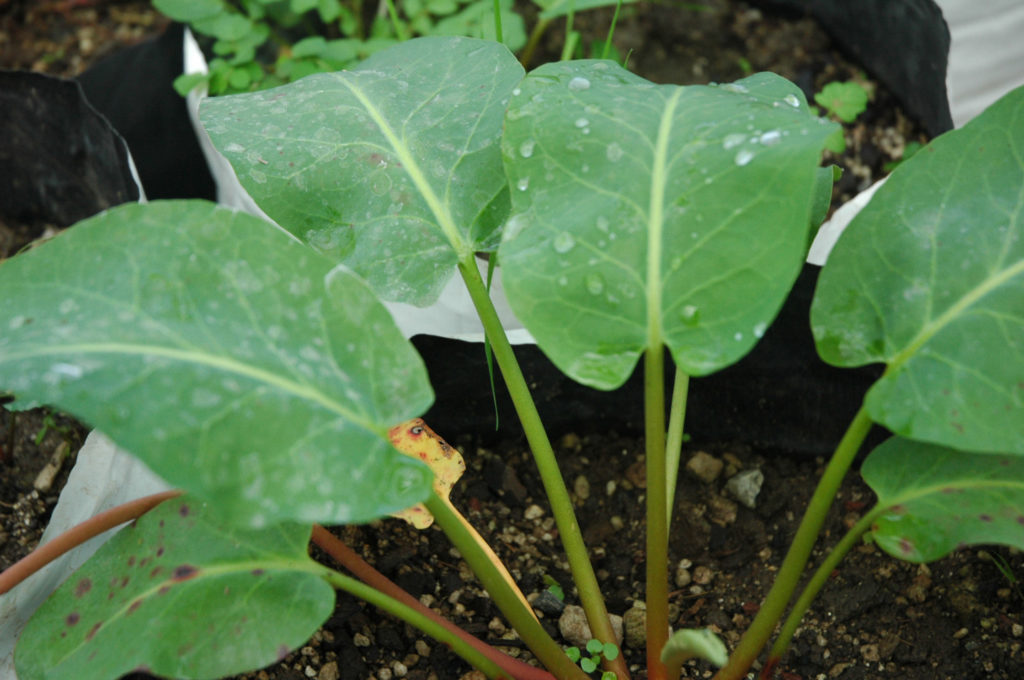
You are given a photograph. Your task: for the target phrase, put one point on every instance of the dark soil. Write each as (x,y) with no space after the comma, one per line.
(958,618)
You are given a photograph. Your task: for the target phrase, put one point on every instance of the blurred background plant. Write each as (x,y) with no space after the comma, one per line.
(258,44)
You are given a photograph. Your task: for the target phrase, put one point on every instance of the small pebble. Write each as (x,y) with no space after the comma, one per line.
(360,640)
(329,671)
(744,486)
(581,486)
(548,603)
(422,648)
(683,577)
(533,512)
(703,575)
(704,466)
(572,624)
(634,623)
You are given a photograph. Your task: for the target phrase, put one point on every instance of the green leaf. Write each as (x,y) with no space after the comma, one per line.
(933,499)
(191,10)
(552,9)
(588,664)
(595,646)
(692,643)
(573,653)
(392,168)
(180,595)
(846,100)
(235,362)
(224,26)
(187,82)
(929,279)
(610,650)
(647,212)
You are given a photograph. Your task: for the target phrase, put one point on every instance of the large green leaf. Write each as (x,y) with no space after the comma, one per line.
(393,168)
(933,499)
(552,9)
(180,595)
(647,212)
(236,362)
(929,278)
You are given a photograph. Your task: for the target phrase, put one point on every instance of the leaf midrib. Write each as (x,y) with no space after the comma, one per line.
(219,362)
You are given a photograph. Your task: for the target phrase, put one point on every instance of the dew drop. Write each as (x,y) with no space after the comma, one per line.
(526,148)
(690,315)
(579,83)
(602,223)
(735,87)
(516,92)
(582,122)
(564,242)
(733,140)
(792,100)
(613,152)
(771,137)
(744,157)
(759,329)
(563,281)
(523,184)
(738,336)
(594,283)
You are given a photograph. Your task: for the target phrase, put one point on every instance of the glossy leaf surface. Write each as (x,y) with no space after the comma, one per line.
(393,168)
(182,596)
(935,499)
(237,363)
(929,279)
(642,210)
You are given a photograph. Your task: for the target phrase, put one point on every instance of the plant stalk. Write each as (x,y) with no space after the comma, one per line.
(544,456)
(365,572)
(674,439)
(814,586)
(788,578)
(657,517)
(493,580)
(417,619)
(79,534)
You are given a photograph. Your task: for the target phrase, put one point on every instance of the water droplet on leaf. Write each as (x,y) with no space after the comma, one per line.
(690,315)
(792,100)
(523,184)
(579,83)
(564,242)
(582,122)
(594,283)
(526,148)
(733,140)
(744,157)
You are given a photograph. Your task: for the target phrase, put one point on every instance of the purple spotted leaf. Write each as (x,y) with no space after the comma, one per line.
(933,499)
(180,595)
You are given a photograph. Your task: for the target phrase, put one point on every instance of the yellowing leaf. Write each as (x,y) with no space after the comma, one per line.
(415,439)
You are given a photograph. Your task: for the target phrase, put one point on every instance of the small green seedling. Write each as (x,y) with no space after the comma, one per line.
(597,650)
(255,366)
(554,587)
(843,102)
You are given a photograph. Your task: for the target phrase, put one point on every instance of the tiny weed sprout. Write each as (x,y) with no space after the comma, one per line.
(255,367)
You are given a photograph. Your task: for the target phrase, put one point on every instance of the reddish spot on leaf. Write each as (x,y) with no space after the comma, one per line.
(950,489)
(184,510)
(155,572)
(985,518)
(282,652)
(184,572)
(898,509)
(160,551)
(134,605)
(1020,520)
(1004,462)
(163,590)
(258,572)
(84,586)
(93,630)
(906,547)
(124,581)
(72,618)
(131,561)
(958,427)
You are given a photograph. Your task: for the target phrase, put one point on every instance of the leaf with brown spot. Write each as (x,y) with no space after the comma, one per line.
(189,597)
(916,518)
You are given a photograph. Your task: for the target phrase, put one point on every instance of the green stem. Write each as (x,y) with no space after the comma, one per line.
(821,575)
(569,46)
(505,597)
(611,31)
(531,45)
(497,21)
(396,23)
(544,456)
(417,619)
(674,440)
(348,558)
(657,496)
(786,581)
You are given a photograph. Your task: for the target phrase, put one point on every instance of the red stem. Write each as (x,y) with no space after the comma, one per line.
(79,534)
(348,558)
